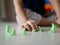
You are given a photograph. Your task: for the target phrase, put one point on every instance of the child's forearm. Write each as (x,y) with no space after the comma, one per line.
(56,6)
(20,10)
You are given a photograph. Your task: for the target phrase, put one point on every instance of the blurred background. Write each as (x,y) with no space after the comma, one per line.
(7,12)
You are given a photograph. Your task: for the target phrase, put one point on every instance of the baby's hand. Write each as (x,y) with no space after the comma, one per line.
(29,25)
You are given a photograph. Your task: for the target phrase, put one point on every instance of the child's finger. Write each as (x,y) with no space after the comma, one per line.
(27,27)
(36,27)
(32,25)
(58,21)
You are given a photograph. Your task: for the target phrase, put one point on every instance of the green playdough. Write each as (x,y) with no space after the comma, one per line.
(53,28)
(13,32)
(33,30)
(57,25)
(10,33)
(23,32)
(39,29)
(7,28)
